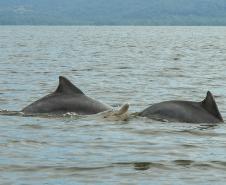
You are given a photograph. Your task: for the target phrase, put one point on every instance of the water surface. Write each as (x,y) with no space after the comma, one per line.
(138,65)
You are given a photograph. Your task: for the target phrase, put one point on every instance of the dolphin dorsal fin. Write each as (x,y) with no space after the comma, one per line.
(65,86)
(210,105)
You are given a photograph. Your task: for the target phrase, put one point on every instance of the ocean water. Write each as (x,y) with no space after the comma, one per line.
(116,65)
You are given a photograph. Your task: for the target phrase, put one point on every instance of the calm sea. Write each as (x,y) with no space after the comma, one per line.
(116,65)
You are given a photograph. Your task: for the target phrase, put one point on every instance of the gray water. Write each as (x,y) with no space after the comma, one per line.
(116,65)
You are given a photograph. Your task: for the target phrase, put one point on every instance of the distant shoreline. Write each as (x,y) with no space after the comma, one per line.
(119,25)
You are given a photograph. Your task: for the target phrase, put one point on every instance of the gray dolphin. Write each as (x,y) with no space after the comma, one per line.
(66,98)
(205,111)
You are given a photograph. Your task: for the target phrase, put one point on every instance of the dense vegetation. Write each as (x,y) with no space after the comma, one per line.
(113,12)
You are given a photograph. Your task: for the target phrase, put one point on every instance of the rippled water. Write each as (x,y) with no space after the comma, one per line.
(139,65)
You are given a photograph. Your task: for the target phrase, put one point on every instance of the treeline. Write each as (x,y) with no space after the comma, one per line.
(115,12)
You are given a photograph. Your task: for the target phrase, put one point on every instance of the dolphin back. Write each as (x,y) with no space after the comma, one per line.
(66,98)
(185,111)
